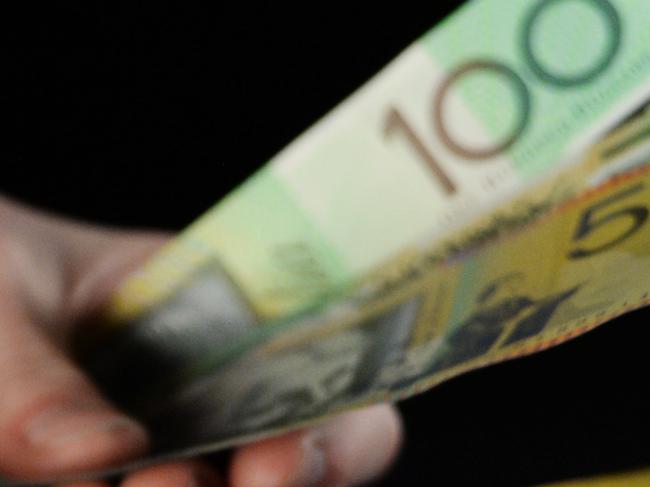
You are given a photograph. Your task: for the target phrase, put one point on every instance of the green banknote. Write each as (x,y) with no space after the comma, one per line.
(473,202)
(500,95)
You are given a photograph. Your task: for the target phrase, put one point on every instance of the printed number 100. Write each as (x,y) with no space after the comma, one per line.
(396,124)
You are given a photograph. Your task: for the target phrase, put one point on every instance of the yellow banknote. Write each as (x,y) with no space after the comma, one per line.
(640,478)
(581,265)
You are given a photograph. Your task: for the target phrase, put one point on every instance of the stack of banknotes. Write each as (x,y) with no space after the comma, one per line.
(484,197)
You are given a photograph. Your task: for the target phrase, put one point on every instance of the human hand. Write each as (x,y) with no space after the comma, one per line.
(53,421)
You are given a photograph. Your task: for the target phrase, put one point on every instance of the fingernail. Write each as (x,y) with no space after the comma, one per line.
(313,466)
(67,425)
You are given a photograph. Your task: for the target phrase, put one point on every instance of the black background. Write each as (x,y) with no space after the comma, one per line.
(146,115)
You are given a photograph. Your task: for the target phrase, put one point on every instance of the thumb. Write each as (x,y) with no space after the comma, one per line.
(53,421)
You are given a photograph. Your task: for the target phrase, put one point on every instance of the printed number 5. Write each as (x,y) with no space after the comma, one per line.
(594,218)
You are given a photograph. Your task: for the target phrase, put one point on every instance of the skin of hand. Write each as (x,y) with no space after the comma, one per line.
(54,275)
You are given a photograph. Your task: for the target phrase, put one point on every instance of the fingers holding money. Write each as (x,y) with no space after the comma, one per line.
(53,421)
(349,450)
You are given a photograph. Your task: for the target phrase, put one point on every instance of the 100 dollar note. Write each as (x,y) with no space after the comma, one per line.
(296,297)
(501,94)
